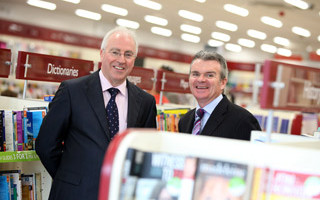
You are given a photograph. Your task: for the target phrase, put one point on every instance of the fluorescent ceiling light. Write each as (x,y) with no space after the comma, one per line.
(42,4)
(284,52)
(161,31)
(301,31)
(190,15)
(268,48)
(156,20)
(128,23)
(257,34)
(115,10)
(215,43)
(298,3)
(201,1)
(88,14)
(233,47)
(72,1)
(319,38)
(246,42)
(220,36)
(281,41)
(190,29)
(148,4)
(226,25)
(236,10)
(190,38)
(271,21)
(318,52)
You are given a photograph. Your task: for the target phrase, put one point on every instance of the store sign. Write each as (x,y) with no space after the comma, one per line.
(172,82)
(290,87)
(5,62)
(142,77)
(40,67)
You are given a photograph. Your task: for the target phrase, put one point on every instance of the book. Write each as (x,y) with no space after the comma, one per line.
(27,188)
(15,183)
(280,184)
(8,131)
(4,187)
(217,179)
(1,131)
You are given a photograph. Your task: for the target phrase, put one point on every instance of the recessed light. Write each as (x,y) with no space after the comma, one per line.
(298,3)
(233,47)
(236,10)
(268,48)
(88,14)
(281,41)
(220,36)
(246,43)
(301,31)
(148,4)
(257,34)
(42,4)
(114,10)
(190,38)
(190,29)
(128,23)
(271,21)
(161,31)
(215,43)
(284,52)
(156,20)
(190,15)
(72,1)
(226,25)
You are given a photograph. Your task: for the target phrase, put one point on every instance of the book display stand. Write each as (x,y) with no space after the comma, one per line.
(235,162)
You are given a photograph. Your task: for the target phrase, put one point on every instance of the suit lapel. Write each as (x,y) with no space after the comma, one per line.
(190,123)
(215,118)
(134,104)
(95,98)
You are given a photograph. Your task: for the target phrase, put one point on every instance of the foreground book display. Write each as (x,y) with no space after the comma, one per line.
(182,167)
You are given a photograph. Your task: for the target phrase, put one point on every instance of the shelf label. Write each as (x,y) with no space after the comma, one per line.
(5,62)
(18,156)
(40,67)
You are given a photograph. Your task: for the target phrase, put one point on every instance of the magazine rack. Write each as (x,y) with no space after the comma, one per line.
(298,159)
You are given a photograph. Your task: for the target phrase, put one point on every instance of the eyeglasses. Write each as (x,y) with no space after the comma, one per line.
(127,55)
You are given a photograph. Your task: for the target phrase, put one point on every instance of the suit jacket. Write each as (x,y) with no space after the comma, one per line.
(77,118)
(227,120)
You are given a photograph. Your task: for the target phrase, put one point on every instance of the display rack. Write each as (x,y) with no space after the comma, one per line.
(298,159)
(26,161)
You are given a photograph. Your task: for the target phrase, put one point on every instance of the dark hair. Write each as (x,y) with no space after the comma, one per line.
(211,55)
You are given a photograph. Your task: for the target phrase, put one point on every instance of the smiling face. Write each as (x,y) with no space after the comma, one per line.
(116,62)
(205,81)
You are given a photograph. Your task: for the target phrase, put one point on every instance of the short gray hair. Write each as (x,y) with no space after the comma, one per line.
(212,55)
(118,29)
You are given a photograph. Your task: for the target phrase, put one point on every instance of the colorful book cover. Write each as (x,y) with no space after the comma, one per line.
(1,131)
(15,183)
(27,188)
(284,185)
(4,188)
(220,180)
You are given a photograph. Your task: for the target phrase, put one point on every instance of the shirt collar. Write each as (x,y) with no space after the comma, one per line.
(105,84)
(212,105)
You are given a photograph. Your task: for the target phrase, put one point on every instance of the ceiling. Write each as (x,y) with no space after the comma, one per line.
(212,10)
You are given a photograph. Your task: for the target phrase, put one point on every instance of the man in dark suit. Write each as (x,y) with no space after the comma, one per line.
(75,133)
(214,115)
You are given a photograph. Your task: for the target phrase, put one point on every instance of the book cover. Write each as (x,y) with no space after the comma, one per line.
(283,185)
(1,131)
(15,183)
(4,187)
(8,131)
(220,180)
(33,120)
(27,186)
(19,130)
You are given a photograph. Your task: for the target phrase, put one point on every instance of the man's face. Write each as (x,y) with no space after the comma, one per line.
(205,82)
(117,59)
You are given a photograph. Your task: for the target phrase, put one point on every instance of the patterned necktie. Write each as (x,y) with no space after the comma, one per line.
(197,124)
(112,112)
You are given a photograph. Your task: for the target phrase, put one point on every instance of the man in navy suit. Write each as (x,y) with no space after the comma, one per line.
(74,134)
(218,117)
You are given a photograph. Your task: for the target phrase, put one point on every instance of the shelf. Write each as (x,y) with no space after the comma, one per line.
(18,156)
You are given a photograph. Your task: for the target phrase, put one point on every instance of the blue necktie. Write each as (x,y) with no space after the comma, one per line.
(197,124)
(112,112)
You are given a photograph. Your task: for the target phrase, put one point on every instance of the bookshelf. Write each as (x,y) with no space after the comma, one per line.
(26,161)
